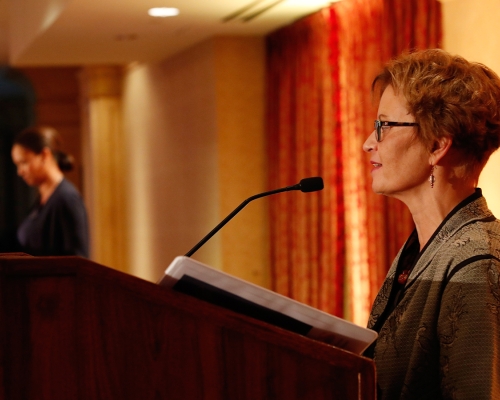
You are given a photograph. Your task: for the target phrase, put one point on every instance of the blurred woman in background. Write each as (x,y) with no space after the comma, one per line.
(57,223)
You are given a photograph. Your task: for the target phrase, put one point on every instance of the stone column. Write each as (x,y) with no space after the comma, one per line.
(105,171)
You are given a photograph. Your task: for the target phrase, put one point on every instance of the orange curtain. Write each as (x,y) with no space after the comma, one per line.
(332,249)
(307,260)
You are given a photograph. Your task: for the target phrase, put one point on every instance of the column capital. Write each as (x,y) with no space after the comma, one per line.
(101,80)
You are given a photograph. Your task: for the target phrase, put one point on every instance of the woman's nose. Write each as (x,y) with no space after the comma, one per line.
(370,142)
(20,170)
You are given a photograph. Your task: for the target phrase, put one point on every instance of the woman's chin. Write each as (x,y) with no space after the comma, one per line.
(30,182)
(377,188)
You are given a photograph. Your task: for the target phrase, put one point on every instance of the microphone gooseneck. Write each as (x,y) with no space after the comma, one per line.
(305,185)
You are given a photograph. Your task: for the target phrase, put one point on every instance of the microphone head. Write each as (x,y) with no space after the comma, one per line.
(311,184)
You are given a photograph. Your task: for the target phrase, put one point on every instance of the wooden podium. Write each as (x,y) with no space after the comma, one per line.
(72,329)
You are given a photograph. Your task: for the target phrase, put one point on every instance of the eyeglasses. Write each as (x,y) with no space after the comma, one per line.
(380,126)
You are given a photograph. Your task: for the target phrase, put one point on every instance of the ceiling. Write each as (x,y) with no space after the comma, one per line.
(77,32)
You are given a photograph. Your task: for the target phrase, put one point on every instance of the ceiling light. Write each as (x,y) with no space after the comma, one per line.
(163,12)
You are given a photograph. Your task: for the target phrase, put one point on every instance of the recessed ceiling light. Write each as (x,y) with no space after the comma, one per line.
(163,12)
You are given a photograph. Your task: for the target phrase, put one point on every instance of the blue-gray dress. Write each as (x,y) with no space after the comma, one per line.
(57,228)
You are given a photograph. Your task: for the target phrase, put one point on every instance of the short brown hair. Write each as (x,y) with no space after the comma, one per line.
(449,97)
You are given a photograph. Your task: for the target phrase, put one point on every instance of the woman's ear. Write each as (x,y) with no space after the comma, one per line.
(46,153)
(440,149)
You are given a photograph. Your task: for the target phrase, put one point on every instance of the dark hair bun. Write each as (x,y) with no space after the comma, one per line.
(65,161)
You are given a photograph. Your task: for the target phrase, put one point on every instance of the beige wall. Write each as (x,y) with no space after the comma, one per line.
(239,77)
(471,30)
(28,19)
(171,132)
(194,136)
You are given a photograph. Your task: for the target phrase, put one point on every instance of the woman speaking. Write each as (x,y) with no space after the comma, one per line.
(57,223)
(438,311)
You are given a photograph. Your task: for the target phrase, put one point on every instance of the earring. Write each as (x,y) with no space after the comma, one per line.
(432,178)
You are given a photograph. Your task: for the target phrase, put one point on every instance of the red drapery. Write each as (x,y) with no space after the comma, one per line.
(332,249)
(306,257)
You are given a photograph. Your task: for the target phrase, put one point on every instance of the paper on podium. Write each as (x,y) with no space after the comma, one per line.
(199,280)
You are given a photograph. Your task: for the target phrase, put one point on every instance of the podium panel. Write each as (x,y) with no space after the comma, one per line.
(73,329)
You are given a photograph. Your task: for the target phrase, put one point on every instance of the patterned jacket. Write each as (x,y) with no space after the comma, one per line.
(442,340)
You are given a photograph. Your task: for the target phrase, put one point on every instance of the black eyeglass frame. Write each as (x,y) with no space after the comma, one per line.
(379,124)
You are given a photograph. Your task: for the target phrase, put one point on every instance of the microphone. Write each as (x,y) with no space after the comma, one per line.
(305,185)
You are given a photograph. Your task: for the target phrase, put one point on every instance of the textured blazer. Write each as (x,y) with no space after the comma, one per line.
(442,340)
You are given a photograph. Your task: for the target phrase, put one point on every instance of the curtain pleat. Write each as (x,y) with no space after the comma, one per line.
(331,249)
(360,59)
(307,263)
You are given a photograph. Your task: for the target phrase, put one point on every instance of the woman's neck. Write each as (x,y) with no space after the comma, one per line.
(47,187)
(429,212)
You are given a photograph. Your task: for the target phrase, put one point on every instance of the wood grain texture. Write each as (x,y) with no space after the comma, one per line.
(73,329)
